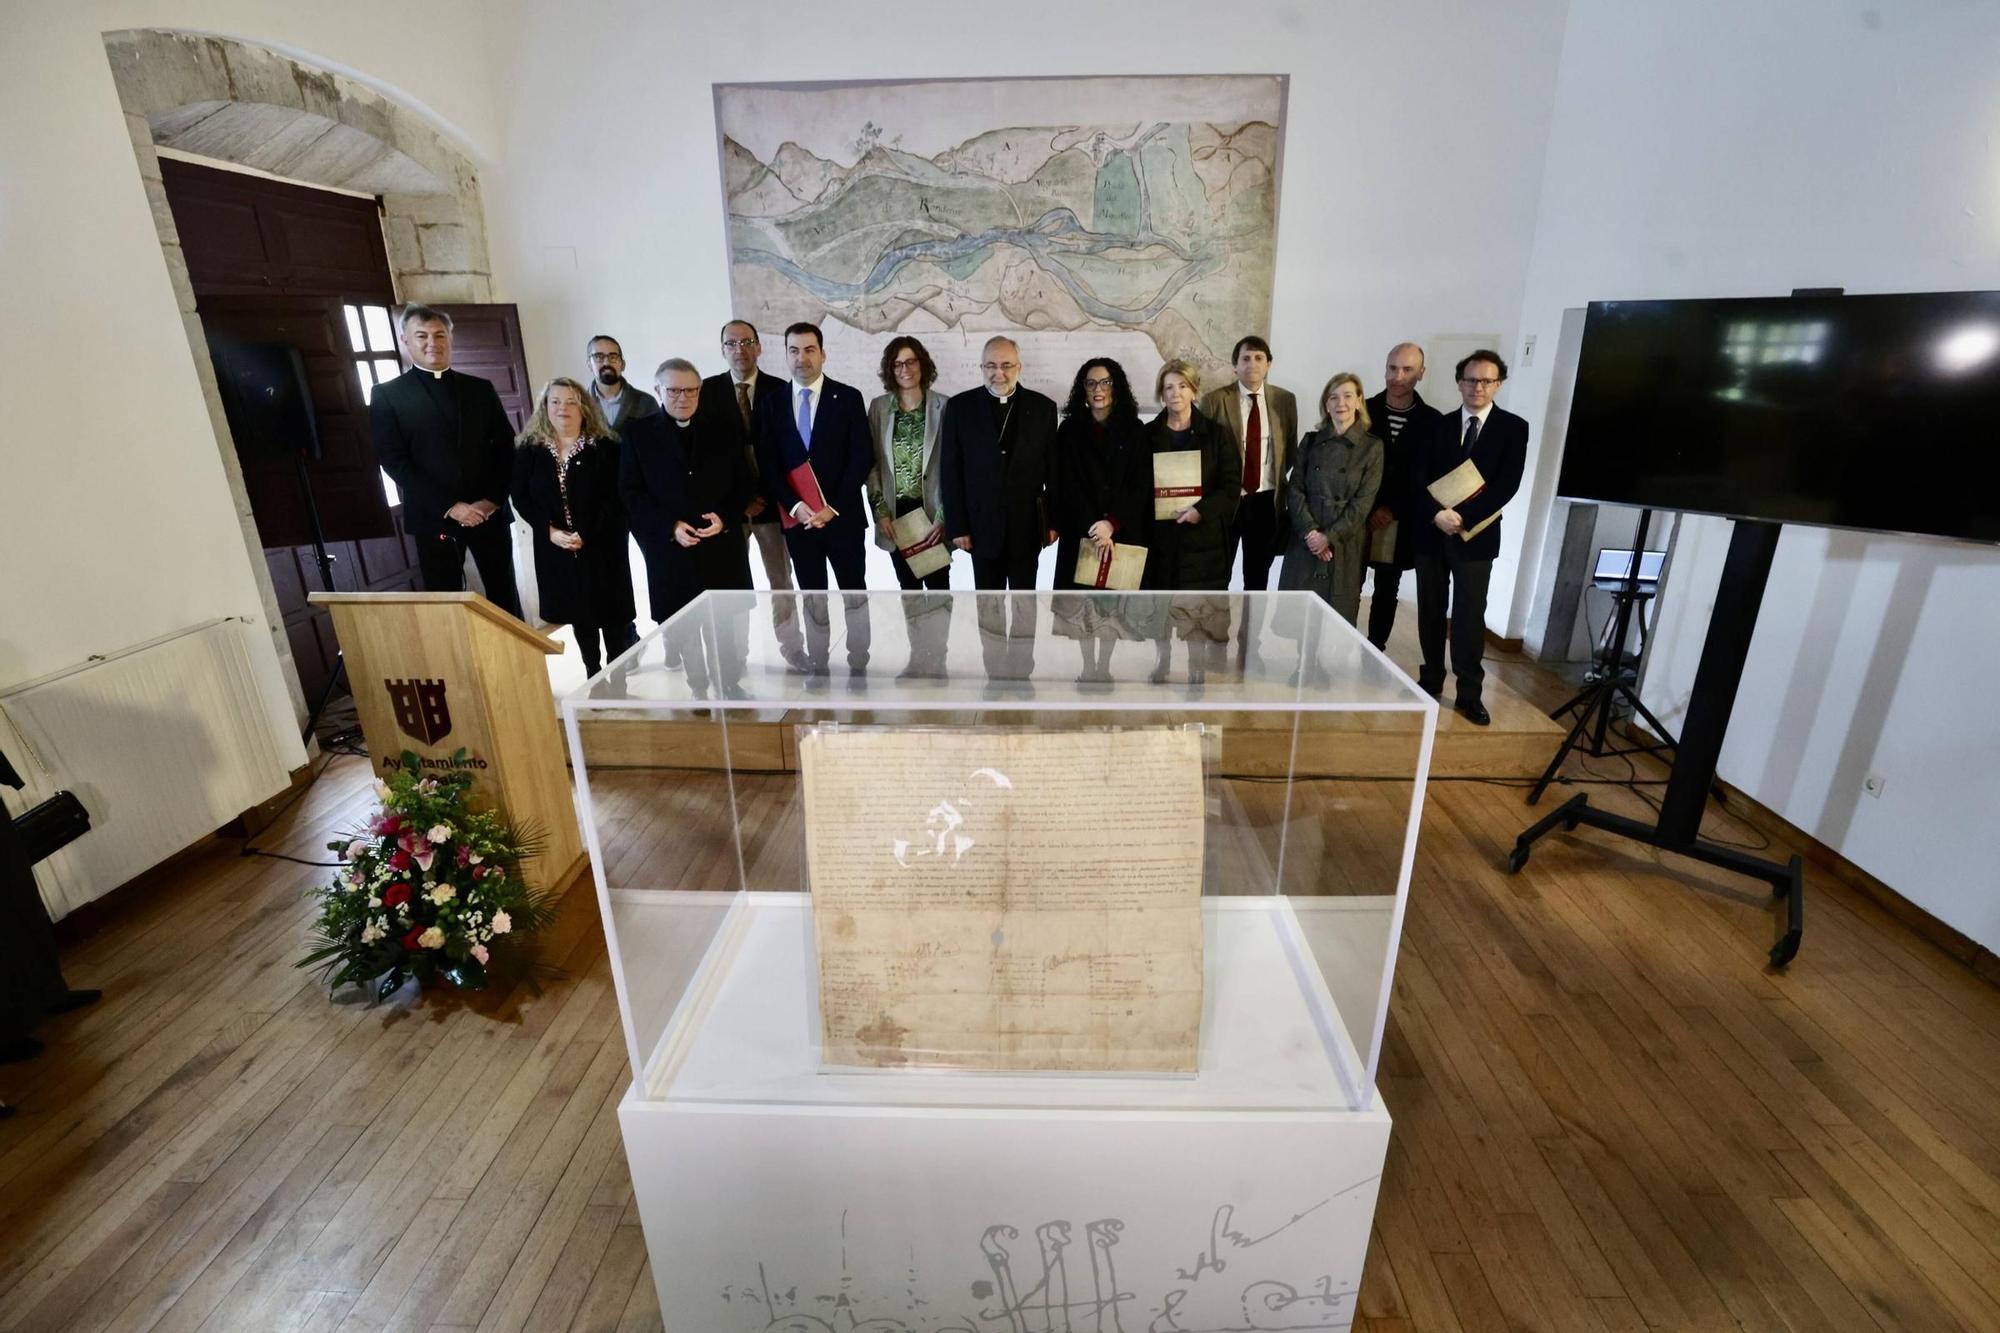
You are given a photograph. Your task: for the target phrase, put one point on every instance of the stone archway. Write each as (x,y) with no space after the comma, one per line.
(234,102)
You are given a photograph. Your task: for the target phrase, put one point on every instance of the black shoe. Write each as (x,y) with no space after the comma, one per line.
(72,999)
(1474,712)
(21,1048)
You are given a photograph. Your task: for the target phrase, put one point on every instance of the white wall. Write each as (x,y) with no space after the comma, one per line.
(1723,149)
(118,525)
(610,215)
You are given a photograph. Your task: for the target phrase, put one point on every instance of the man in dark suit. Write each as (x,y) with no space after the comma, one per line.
(445,440)
(1453,571)
(824,423)
(996,451)
(1403,421)
(1264,420)
(736,401)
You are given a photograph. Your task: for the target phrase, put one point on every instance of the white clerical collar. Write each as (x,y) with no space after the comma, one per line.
(683,424)
(434,374)
(1003,398)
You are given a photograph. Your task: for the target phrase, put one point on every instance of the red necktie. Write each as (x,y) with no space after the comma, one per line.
(1253,447)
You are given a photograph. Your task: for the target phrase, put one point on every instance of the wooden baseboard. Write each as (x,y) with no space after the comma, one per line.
(1976,957)
(1503,643)
(261,815)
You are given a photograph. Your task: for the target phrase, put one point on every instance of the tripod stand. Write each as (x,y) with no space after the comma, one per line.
(1616,682)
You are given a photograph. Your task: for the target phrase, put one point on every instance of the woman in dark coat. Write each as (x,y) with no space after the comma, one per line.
(1190,552)
(1334,480)
(1104,469)
(566,490)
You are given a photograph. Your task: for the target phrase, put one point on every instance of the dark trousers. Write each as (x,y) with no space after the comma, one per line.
(1382,602)
(617,638)
(1256,536)
(31,978)
(1013,569)
(814,552)
(936,582)
(1450,585)
(441,560)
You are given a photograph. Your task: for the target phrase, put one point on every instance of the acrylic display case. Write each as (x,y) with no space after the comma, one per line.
(1109,886)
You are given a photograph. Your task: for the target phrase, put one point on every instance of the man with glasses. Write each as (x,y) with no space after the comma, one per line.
(1403,421)
(1453,568)
(997,451)
(736,401)
(445,440)
(616,397)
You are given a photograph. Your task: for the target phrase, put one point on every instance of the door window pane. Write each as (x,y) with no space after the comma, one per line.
(380,338)
(354,328)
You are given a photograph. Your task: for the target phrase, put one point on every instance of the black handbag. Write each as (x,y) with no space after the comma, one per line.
(51,826)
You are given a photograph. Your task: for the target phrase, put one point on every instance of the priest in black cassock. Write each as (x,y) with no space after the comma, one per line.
(445,440)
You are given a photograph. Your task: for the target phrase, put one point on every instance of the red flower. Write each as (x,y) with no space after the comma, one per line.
(399,860)
(416,933)
(391,824)
(396,894)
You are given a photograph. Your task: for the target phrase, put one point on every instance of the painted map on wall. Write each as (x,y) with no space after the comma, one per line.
(1128,217)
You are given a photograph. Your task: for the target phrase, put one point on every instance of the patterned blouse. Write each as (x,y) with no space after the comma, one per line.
(906,452)
(563,460)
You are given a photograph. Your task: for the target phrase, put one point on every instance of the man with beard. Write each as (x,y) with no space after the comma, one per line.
(1403,421)
(619,400)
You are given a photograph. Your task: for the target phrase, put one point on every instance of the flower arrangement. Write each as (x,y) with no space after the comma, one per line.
(426,889)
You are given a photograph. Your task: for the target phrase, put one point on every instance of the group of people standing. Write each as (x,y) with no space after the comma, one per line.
(804,472)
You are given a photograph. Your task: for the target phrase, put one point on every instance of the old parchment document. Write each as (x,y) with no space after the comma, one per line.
(1006,899)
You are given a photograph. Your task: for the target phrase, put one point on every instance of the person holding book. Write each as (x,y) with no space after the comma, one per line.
(904,421)
(1103,473)
(814,457)
(1197,481)
(1328,497)
(1474,458)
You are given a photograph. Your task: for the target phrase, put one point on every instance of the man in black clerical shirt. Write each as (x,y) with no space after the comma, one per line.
(1403,420)
(996,451)
(445,440)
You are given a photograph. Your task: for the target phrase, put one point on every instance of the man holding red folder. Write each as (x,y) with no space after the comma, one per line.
(814,457)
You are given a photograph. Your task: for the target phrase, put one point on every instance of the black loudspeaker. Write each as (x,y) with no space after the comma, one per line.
(266,398)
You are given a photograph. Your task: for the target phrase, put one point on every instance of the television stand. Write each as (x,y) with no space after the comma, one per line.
(1752,544)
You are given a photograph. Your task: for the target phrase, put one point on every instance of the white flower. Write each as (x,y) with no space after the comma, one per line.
(381,790)
(369,934)
(374,901)
(479,952)
(439,833)
(473,858)
(431,939)
(502,923)
(442,893)
(356,849)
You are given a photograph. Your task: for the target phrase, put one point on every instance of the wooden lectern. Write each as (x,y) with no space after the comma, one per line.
(435,673)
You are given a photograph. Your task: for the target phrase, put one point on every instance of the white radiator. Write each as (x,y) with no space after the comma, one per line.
(163,742)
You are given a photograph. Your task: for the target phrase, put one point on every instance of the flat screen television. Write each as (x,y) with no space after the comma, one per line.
(1872,412)
(266,398)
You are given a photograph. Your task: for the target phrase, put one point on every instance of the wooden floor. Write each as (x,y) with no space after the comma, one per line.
(1609,1115)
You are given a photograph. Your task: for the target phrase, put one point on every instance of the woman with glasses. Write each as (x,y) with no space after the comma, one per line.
(903,421)
(566,490)
(1328,496)
(1103,470)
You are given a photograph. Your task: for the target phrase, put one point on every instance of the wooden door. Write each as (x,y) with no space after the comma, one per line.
(486,341)
(273,262)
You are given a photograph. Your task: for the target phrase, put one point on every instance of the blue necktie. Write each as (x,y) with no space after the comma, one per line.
(805,418)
